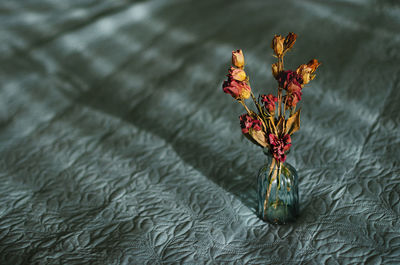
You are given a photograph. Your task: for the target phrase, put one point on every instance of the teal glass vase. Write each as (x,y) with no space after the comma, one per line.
(278,196)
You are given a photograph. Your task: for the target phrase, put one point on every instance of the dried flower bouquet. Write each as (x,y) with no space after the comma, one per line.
(276,118)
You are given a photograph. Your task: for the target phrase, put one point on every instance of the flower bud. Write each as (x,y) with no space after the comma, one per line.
(238,58)
(237,74)
(277,45)
(289,41)
(313,65)
(275,70)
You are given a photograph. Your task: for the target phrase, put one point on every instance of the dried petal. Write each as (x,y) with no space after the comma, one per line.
(273,139)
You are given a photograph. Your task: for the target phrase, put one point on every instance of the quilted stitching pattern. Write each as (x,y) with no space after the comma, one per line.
(119,147)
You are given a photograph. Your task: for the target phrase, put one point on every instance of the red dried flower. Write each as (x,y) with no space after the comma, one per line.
(237,89)
(290,80)
(293,98)
(279,146)
(269,102)
(247,122)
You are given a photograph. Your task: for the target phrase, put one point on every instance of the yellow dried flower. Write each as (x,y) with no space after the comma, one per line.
(277,45)
(238,58)
(237,74)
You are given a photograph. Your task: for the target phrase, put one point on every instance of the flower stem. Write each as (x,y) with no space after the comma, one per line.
(272,170)
(280,67)
(285,105)
(279,175)
(244,105)
(279,101)
(256,103)
(292,110)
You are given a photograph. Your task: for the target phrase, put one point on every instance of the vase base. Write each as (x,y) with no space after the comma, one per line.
(280,214)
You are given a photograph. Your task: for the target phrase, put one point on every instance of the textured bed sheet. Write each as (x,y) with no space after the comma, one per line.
(118,146)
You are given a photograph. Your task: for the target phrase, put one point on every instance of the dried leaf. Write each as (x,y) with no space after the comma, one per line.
(251,139)
(259,137)
(293,123)
(248,136)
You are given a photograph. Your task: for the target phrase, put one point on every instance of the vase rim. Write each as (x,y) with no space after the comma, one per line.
(268,153)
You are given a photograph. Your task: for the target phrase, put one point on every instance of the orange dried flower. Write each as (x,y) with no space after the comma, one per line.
(289,41)
(306,71)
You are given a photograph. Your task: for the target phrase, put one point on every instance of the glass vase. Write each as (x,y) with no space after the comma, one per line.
(278,196)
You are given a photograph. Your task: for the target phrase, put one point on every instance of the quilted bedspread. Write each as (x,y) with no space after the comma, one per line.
(118,145)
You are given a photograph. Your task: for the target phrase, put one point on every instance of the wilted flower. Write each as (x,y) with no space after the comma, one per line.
(269,102)
(247,123)
(279,146)
(289,41)
(275,70)
(293,98)
(277,44)
(293,86)
(237,74)
(238,58)
(237,89)
(306,71)
(290,81)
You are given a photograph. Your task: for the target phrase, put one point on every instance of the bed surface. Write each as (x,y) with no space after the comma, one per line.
(118,146)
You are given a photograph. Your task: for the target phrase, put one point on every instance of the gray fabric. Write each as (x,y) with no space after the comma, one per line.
(118,146)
